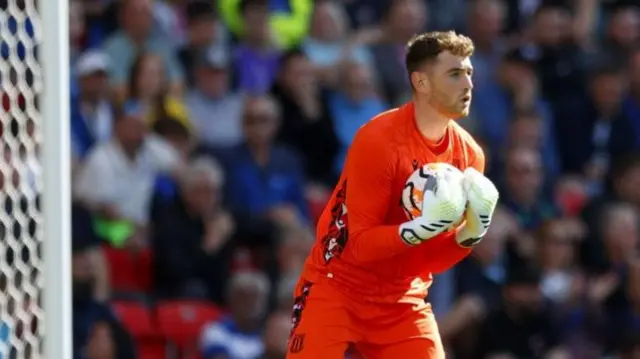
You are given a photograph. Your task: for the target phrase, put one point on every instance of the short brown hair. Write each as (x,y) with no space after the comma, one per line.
(426,47)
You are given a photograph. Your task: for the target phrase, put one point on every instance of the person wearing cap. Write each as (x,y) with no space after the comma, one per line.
(216,112)
(91,111)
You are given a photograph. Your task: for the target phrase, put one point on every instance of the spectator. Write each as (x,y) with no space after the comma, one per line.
(137,32)
(216,111)
(264,177)
(516,89)
(91,110)
(276,335)
(176,135)
(96,332)
(238,335)
(117,178)
(204,32)
(528,130)
(353,105)
(523,191)
(403,19)
(555,46)
(328,45)
(148,88)
(598,132)
(623,31)
(287,20)
(523,327)
(486,20)
(477,285)
(256,58)
(306,125)
(193,236)
(610,271)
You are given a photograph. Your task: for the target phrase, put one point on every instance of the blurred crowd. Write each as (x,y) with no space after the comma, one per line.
(207,136)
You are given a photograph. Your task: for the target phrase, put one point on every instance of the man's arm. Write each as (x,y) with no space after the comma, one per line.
(444,251)
(369,171)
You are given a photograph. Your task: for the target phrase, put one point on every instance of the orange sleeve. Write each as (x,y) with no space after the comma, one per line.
(443,251)
(479,161)
(369,171)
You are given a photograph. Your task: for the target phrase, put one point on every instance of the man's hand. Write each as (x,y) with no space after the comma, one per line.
(482,198)
(219,230)
(442,207)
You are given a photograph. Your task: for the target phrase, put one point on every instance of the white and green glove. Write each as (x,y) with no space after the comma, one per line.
(482,198)
(443,206)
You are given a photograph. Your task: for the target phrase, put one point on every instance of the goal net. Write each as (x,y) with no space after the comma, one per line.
(23,179)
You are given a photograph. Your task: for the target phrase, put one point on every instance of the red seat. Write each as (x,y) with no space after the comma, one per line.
(182,321)
(129,272)
(137,319)
(144,270)
(122,269)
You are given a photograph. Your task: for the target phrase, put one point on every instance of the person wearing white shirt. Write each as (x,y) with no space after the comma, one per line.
(118,176)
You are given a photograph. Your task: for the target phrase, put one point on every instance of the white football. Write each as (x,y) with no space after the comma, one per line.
(424,181)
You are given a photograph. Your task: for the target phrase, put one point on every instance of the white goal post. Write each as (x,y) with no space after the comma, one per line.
(35,180)
(56,194)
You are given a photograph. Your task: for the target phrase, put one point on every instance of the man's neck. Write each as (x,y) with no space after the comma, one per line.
(431,123)
(260,153)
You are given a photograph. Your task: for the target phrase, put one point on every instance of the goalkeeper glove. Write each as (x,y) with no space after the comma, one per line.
(443,206)
(482,198)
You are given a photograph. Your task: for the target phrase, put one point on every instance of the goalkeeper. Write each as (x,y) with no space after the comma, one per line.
(365,281)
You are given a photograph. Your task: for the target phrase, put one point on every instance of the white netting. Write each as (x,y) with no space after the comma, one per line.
(21,326)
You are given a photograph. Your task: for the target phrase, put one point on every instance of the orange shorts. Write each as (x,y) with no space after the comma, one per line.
(325,323)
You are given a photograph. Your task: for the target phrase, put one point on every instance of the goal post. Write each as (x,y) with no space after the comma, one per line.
(56,185)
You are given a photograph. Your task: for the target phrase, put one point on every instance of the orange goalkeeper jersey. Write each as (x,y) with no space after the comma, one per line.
(358,247)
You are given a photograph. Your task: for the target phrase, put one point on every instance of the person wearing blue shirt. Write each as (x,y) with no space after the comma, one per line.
(238,335)
(264,178)
(91,111)
(352,106)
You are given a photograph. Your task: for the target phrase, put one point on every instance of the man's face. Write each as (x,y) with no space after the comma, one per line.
(202,31)
(524,173)
(201,194)
(132,131)
(408,16)
(358,82)
(94,85)
(260,121)
(213,82)
(137,17)
(608,91)
(257,20)
(299,74)
(448,84)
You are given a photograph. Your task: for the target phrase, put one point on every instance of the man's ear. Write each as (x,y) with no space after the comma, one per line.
(420,82)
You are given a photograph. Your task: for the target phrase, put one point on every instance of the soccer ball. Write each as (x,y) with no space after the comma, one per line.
(424,180)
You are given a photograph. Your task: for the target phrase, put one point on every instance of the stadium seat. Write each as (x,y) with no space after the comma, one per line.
(129,272)
(121,269)
(137,319)
(182,321)
(144,270)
